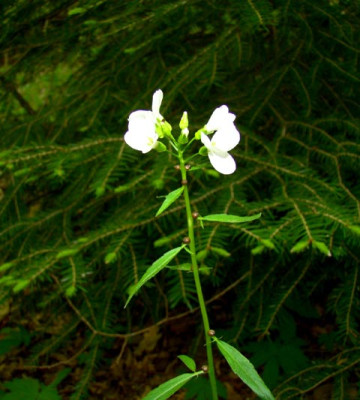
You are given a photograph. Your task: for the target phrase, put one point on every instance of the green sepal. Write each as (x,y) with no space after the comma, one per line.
(183,138)
(198,133)
(244,369)
(231,219)
(160,147)
(169,199)
(203,151)
(154,269)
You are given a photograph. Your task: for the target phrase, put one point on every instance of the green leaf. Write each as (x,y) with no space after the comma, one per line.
(26,388)
(66,253)
(300,246)
(167,389)
(200,389)
(181,267)
(20,285)
(221,252)
(231,219)
(188,361)
(110,257)
(154,269)
(169,199)
(13,337)
(70,291)
(121,188)
(257,250)
(268,243)
(355,229)
(6,266)
(321,247)
(243,368)
(201,255)
(77,10)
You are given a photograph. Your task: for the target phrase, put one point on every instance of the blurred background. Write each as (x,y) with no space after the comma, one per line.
(77,205)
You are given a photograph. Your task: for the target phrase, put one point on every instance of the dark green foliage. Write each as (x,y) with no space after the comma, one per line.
(77,206)
(199,389)
(32,389)
(10,338)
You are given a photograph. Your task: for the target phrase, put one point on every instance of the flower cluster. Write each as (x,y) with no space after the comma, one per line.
(145,128)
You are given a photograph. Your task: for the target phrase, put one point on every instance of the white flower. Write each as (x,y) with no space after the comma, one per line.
(220,117)
(224,139)
(141,134)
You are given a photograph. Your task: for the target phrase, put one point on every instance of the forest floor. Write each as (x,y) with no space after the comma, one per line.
(128,370)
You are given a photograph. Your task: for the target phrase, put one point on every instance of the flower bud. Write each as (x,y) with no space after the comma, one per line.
(198,133)
(184,122)
(163,128)
(183,138)
(195,215)
(205,368)
(203,151)
(160,147)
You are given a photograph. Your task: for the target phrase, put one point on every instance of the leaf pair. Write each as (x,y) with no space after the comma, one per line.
(240,365)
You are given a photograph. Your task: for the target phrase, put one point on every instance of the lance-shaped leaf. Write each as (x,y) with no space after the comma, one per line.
(188,361)
(231,219)
(67,253)
(243,368)
(169,199)
(167,389)
(300,246)
(154,269)
(321,247)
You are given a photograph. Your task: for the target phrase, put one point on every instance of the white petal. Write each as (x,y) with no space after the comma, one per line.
(156,103)
(141,133)
(205,140)
(226,138)
(140,141)
(219,117)
(141,117)
(225,165)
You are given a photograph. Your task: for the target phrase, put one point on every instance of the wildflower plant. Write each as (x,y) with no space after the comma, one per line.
(149,130)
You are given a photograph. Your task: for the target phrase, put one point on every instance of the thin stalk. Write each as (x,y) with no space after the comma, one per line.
(195,269)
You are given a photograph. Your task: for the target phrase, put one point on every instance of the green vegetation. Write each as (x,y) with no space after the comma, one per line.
(77,206)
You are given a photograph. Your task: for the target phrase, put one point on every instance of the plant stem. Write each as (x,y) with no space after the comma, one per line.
(195,269)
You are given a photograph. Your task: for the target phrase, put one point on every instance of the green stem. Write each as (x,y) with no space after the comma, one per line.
(195,268)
